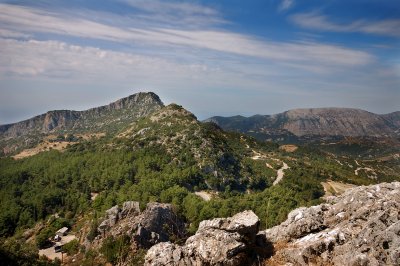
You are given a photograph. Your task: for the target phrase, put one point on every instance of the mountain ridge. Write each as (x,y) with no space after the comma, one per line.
(330,121)
(103,118)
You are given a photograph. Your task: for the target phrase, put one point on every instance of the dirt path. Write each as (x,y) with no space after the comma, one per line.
(204,195)
(280,173)
(367,169)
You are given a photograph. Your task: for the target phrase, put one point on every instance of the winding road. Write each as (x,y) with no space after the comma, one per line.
(280,173)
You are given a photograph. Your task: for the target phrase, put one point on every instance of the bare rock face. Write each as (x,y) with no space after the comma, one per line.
(221,241)
(359,227)
(155,224)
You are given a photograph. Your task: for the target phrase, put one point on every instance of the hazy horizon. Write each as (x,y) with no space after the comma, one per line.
(213,58)
(200,118)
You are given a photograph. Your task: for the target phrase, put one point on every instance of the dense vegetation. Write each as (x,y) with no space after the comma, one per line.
(165,158)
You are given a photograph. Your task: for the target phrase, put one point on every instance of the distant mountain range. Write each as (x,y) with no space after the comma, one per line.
(290,126)
(314,122)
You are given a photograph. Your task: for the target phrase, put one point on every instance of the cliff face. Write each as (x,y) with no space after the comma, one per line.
(138,105)
(318,122)
(336,122)
(100,119)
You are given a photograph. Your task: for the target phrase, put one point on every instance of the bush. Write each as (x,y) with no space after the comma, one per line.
(72,247)
(42,239)
(115,249)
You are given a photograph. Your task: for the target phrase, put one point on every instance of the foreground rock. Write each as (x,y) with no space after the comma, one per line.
(360,227)
(221,241)
(157,223)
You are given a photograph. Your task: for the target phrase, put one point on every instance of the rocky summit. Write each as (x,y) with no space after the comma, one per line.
(359,227)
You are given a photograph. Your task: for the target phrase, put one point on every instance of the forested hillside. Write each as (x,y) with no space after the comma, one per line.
(167,156)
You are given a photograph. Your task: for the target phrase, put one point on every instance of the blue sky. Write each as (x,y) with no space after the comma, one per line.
(222,57)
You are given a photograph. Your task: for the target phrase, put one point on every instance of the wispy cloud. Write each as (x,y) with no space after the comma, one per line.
(27,19)
(317,21)
(285,5)
(54,59)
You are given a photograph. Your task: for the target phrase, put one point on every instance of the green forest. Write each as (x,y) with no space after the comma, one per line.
(127,168)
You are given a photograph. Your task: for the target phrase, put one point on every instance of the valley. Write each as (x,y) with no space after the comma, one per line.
(108,172)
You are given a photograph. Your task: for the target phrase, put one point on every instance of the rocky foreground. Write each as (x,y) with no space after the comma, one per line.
(359,227)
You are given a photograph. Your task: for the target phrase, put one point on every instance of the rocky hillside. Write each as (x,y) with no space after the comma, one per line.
(317,122)
(184,138)
(108,118)
(360,227)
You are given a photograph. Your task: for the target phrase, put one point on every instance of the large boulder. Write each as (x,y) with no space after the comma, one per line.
(359,227)
(221,241)
(157,223)
(111,218)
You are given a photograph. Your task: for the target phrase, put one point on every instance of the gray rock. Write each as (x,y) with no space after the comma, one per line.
(130,208)
(300,222)
(111,218)
(360,227)
(157,223)
(221,241)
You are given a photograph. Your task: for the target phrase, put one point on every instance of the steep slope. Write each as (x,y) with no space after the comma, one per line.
(108,118)
(317,122)
(393,118)
(186,140)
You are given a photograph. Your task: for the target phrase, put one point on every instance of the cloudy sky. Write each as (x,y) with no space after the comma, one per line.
(221,57)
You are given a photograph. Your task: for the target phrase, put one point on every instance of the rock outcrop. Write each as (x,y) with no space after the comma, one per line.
(360,227)
(221,241)
(155,224)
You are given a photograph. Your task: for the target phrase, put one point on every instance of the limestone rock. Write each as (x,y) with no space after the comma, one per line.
(221,241)
(155,224)
(359,227)
(111,219)
(130,208)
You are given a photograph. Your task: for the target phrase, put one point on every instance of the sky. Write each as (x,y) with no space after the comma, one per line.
(221,57)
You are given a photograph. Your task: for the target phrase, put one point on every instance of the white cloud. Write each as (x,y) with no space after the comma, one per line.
(13,34)
(171,8)
(24,19)
(285,5)
(388,27)
(53,59)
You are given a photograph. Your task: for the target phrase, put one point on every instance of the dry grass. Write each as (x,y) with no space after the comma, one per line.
(288,148)
(50,143)
(333,188)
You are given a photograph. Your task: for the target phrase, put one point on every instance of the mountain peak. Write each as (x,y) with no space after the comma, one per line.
(106,118)
(132,100)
